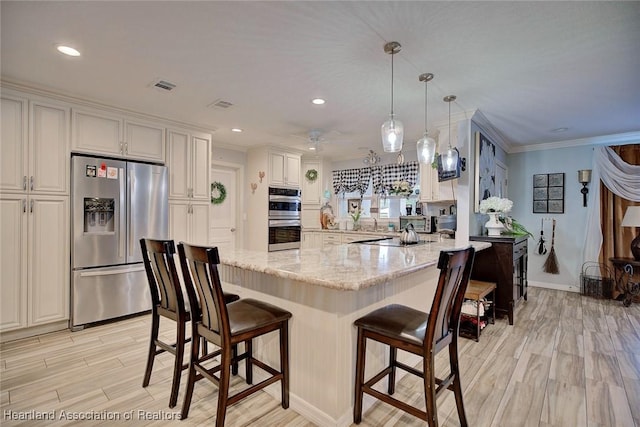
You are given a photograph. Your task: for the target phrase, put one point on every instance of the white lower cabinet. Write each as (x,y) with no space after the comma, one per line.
(189,222)
(34,259)
(311,240)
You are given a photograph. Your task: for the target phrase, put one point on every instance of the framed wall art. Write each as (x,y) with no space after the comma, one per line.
(485,185)
(548,193)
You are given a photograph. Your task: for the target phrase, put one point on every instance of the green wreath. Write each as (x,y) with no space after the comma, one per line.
(311,175)
(222,192)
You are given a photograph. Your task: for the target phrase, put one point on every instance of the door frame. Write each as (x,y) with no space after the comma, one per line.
(240,199)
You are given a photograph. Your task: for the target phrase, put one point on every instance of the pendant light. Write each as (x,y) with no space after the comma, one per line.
(426,145)
(392,130)
(450,161)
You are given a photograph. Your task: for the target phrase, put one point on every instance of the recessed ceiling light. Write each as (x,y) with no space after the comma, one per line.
(312,148)
(67,50)
(560,130)
(236,130)
(318,101)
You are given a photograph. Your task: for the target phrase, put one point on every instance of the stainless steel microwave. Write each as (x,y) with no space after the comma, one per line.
(424,224)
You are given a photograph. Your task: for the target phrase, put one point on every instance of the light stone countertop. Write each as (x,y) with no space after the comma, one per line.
(348,267)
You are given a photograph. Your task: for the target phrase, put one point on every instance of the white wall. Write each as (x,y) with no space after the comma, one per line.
(570,226)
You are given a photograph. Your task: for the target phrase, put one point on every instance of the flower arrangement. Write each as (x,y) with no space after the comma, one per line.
(355,215)
(495,205)
(401,188)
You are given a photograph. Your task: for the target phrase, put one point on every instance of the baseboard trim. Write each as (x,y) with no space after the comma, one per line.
(33,331)
(555,286)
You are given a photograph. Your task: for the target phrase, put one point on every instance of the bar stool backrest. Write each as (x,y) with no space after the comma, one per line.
(205,290)
(444,317)
(162,275)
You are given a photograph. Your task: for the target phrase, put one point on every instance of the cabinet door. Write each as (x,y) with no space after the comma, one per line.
(48,259)
(13,143)
(179,155)
(13,262)
(49,144)
(311,191)
(277,168)
(292,170)
(179,218)
(201,167)
(97,133)
(428,183)
(199,224)
(144,141)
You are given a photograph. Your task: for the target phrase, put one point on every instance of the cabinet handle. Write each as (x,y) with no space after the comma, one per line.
(24,205)
(31,182)
(24,182)
(31,206)
(233,229)
(126,148)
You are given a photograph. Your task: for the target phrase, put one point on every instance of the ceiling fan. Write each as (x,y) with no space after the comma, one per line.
(316,138)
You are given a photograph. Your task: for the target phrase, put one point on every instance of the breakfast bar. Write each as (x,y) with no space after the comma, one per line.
(326,290)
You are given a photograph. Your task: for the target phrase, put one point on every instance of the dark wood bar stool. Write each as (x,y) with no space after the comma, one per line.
(167,301)
(227,325)
(420,333)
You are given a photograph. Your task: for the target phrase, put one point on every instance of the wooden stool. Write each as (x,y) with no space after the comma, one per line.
(476,290)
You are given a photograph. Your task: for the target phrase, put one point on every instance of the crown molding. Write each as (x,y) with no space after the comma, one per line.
(615,139)
(38,90)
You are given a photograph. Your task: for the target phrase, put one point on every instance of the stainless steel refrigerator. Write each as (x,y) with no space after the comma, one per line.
(115,203)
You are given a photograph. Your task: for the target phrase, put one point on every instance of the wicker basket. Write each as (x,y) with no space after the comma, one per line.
(596,280)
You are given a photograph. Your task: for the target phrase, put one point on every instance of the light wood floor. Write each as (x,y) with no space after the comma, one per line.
(568,361)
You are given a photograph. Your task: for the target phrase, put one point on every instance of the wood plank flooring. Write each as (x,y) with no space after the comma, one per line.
(568,361)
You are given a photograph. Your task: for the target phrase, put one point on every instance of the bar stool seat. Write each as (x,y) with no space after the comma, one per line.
(167,301)
(226,326)
(421,333)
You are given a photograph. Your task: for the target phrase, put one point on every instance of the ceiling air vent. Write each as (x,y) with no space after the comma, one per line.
(219,103)
(164,85)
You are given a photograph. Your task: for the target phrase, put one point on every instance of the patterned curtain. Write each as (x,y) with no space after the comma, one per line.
(350,180)
(384,176)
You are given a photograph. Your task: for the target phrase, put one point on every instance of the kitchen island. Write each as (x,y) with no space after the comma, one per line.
(326,290)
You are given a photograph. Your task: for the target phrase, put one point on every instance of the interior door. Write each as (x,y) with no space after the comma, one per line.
(224,216)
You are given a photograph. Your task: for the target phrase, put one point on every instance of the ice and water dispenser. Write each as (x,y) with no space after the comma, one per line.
(99,215)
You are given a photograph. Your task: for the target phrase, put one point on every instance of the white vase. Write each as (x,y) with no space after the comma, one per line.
(494,226)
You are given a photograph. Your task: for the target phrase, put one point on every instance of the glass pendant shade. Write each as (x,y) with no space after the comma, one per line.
(426,147)
(450,160)
(392,134)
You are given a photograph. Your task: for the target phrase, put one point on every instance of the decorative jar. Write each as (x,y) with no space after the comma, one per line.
(494,226)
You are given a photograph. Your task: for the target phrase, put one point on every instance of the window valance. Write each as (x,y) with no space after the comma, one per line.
(382,177)
(350,180)
(385,175)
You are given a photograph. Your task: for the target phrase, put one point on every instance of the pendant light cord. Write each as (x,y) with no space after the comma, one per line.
(392,55)
(426,83)
(449,125)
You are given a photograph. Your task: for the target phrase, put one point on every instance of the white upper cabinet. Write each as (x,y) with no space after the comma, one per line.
(189,164)
(284,169)
(35,146)
(311,190)
(99,132)
(13,162)
(49,162)
(144,141)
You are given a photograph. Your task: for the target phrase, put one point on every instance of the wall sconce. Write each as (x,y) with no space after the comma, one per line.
(584,177)
(261,175)
(253,187)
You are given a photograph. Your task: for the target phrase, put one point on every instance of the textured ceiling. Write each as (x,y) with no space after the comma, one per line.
(529,67)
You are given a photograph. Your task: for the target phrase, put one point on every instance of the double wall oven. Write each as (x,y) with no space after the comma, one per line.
(285,225)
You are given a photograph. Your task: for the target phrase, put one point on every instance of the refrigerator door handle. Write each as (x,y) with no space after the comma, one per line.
(130,222)
(121,219)
(112,272)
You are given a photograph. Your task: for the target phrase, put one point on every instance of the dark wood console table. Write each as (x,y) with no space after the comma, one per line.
(504,263)
(624,270)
